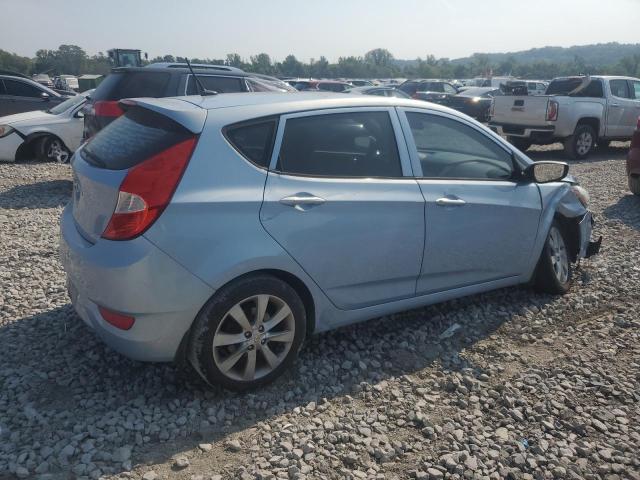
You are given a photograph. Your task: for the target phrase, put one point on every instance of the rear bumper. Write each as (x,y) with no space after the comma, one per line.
(134,278)
(541,133)
(9,146)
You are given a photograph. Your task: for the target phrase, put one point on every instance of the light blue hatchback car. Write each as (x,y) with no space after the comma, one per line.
(225,229)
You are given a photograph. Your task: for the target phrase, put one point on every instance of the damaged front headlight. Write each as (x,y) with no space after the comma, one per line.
(582,194)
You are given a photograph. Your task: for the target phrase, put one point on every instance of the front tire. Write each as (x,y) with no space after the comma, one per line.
(553,273)
(249,333)
(52,149)
(579,145)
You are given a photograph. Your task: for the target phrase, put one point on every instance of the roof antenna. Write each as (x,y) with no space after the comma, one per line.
(203,91)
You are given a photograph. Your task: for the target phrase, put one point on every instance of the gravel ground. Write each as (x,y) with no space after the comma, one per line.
(532,386)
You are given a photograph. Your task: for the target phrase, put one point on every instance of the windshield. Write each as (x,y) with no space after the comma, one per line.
(64,106)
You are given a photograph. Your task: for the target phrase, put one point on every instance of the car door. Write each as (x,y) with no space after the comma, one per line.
(480,224)
(621,110)
(24,97)
(341,200)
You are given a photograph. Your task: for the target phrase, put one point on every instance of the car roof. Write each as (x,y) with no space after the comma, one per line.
(180,70)
(280,103)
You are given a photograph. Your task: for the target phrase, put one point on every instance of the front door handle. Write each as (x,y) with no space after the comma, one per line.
(450,202)
(615,104)
(301,200)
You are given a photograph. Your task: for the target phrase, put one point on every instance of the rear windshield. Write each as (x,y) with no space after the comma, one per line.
(566,85)
(133,138)
(132,85)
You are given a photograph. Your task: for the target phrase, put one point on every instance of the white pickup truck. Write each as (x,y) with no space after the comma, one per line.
(578,111)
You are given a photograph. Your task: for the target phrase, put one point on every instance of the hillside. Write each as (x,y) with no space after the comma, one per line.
(598,55)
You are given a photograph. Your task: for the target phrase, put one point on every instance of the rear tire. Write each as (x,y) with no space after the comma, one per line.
(579,145)
(520,143)
(553,273)
(634,184)
(236,346)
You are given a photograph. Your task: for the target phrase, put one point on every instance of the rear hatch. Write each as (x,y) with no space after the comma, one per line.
(522,110)
(131,163)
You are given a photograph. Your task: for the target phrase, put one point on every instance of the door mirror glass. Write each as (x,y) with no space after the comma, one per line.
(44,96)
(79,114)
(545,172)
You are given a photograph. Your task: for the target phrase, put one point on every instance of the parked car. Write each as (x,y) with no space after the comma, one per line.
(578,111)
(361,83)
(50,135)
(435,91)
(43,79)
(379,91)
(19,94)
(66,82)
(474,101)
(225,229)
(633,161)
(324,85)
(166,80)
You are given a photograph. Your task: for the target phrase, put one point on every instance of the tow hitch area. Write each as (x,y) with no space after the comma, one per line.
(593,248)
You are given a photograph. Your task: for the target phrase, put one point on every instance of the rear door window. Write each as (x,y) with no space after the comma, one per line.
(636,89)
(121,85)
(355,144)
(620,88)
(220,84)
(21,89)
(253,140)
(132,139)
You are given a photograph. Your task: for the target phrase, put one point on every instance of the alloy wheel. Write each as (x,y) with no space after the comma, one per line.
(559,257)
(57,152)
(584,143)
(253,338)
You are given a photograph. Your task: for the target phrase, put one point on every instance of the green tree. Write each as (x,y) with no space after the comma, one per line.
(291,67)
(379,57)
(261,63)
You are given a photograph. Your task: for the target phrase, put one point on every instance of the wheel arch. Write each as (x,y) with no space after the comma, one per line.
(593,122)
(290,279)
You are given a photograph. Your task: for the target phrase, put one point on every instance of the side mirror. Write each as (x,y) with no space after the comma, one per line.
(546,171)
(79,114)
(44,96)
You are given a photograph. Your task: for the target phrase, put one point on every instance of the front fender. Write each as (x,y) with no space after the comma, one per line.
(559,201)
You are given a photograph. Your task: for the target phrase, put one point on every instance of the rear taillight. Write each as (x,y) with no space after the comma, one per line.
(147,190)
(107,109)
(552,111)
(118,320)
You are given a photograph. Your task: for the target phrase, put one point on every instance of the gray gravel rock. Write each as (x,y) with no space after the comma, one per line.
(530,386)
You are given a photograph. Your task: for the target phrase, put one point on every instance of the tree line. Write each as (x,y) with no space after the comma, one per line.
(376,63)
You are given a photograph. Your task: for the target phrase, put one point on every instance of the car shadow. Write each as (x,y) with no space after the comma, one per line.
(617,151)
(68,377)
(627,210)
(47,194)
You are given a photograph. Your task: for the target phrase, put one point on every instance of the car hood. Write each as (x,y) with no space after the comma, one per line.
(25,117)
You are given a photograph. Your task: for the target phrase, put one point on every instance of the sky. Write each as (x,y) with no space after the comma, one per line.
(309,29)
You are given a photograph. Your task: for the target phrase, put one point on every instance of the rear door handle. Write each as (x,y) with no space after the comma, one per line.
(615,104)
(450,202)
(300,200)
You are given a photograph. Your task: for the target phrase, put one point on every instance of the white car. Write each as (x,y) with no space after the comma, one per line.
(53,134)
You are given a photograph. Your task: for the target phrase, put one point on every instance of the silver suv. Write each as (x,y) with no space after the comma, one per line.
(225,229)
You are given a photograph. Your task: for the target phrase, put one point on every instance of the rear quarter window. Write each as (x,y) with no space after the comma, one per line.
(253,140)
(133,138)
(220,84)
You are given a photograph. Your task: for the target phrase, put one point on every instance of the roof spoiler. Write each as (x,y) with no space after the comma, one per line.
(190,116)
